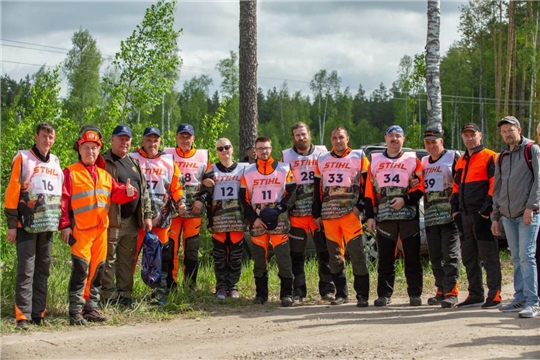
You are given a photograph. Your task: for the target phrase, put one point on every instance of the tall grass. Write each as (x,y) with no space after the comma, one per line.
(202,302)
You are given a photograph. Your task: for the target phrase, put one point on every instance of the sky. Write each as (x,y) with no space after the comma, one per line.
(362,40)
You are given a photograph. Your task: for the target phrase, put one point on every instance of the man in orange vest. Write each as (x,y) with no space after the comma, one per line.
(86,196)
(32,209)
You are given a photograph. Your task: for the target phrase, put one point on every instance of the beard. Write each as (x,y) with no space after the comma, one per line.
(302,144)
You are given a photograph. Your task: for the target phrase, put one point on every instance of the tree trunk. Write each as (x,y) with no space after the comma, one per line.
(433,60)
(248,74)
(509,53)
(533,75)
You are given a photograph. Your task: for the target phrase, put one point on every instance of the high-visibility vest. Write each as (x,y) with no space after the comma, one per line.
(226,211)
(41,192)
(90,203)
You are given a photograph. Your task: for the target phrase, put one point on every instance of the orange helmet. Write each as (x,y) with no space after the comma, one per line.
(89,133)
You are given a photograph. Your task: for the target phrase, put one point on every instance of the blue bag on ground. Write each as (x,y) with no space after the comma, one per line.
(151,259)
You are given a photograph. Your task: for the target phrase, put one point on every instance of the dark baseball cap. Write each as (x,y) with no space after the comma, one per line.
(433,132)
(470,127)
(394,128)
(152,130)
(122,130)
(185,128)
(509,120)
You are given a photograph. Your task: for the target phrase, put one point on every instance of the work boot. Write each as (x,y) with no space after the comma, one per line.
(77,319)
(382,301)
(93,316)
(287,301)
(436,300)
(22,325)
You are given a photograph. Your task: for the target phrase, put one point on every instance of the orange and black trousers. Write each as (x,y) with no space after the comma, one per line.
(227,253)
(88,253)
(34,252)
(346,233)
(189,229)
(301,226)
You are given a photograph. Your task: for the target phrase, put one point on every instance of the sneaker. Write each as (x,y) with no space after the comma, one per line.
(221,294)
(415,301)
(470,303)
(512,307)
(382,301)
(77,319)
(449,302)
(234,294)
(530,312)
(339,301)
(259,301)
(22,325)
(436,300)
(362,302)
(491,304)
(298,300)
(328,297)
(287,301)
(93,316)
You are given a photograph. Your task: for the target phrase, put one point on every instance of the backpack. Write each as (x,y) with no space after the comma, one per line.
(151,260)
(527,153)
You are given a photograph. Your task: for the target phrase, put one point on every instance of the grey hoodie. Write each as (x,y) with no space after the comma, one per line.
(516,187)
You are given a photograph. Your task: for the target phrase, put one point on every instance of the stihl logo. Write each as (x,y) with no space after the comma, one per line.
(44,170)
(228,178)
(337,165)
(435,169)
(274,181)
(391,165)
(303,163)
(154,171)
(187,165)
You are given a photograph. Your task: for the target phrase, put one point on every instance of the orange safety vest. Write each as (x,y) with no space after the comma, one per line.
(90,203)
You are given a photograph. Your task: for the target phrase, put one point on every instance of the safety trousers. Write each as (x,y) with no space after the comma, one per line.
(189,228)
(227,253)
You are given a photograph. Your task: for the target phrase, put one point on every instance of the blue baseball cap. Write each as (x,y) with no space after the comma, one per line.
(185,128)
(152,130)
(394,128)
(122,130)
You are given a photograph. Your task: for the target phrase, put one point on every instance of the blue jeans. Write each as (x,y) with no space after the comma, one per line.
(522,244)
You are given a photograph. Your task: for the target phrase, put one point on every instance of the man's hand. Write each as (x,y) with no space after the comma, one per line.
(147,224)
(413,181)
(371,225)
(181,208)
(397,203)
(196,207)
(495,228)
(259,224)
(130,190)
(356,211)
(454,215)
(528,216)
(208,182)
(11,235)
(66,234)
(318,223)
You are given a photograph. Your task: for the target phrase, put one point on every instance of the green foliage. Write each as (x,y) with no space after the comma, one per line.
(146,64)
(214,127)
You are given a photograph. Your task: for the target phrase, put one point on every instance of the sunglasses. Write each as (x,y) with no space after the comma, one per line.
(221,148)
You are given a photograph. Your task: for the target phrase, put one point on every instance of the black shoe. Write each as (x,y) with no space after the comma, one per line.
(415,301)
(469,302)
(298,300)
(125,302)
(77,319)
(259,301)
(339,301)
(93,316)
(328,297)
(436,300)
(362,302)
(491,304)
(287,301)
(382,301)
(39,321)
(449,302)
(22,325)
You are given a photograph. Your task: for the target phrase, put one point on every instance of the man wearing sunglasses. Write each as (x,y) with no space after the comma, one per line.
(302,158)
(193,164)
(267,192)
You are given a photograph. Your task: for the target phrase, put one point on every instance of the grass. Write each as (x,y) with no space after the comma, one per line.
(201,303)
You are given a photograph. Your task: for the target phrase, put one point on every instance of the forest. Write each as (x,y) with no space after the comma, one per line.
(490,72)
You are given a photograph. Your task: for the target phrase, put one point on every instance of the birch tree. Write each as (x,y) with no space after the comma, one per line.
(433,60)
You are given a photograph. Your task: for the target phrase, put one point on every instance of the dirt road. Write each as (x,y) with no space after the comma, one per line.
(344,332)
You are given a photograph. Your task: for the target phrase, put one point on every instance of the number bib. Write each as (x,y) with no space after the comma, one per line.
(192,169)
(438,182)
(41,193)
(391,179)
(226,211)
(158,173)
(340,179)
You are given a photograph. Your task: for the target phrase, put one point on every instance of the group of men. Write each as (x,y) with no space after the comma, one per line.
(104,206)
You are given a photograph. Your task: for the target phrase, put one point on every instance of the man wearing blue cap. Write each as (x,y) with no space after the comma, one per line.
(193,164)
(123,220)
(392,209)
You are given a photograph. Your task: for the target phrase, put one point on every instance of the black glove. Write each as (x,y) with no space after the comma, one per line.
(270,217)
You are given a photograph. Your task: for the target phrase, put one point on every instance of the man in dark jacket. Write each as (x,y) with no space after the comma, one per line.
(472,200)
(124,221)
